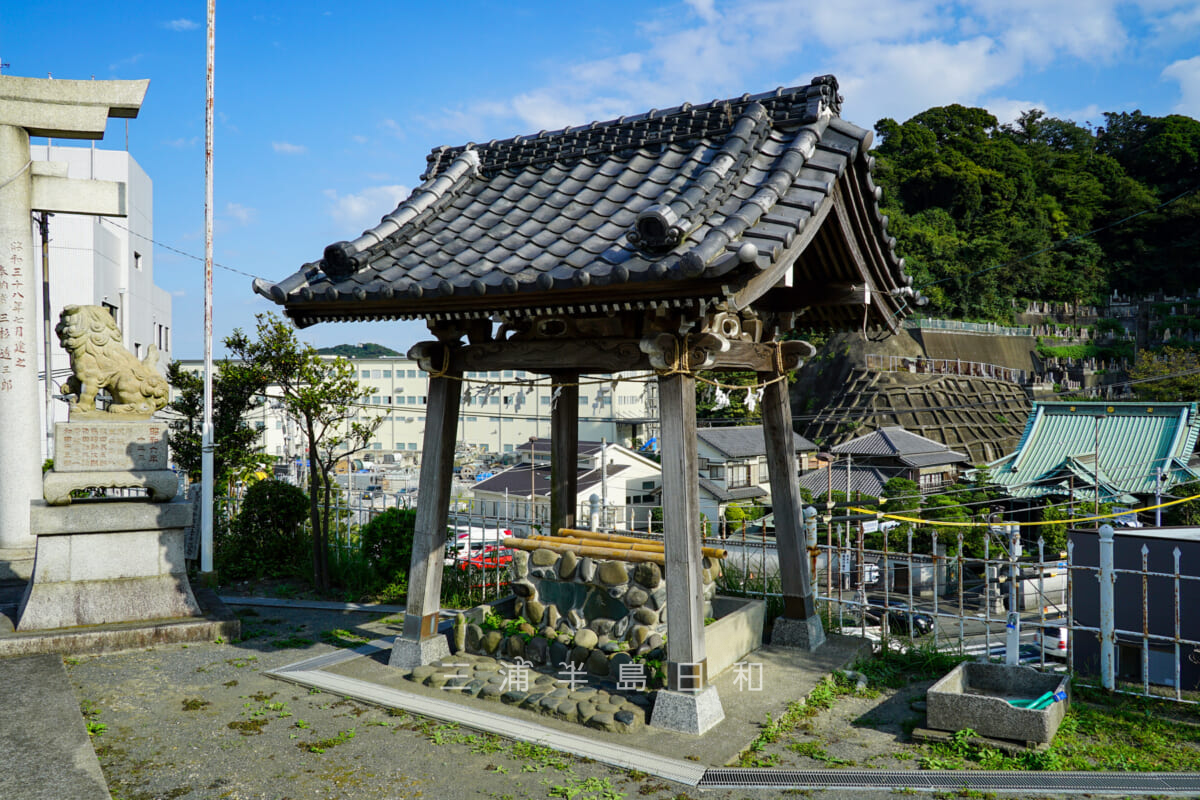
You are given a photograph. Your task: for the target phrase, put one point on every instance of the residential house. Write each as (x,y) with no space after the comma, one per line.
(930,464)
(626,488)
(733,466)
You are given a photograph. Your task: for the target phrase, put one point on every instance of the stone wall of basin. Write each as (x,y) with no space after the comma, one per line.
(590,612)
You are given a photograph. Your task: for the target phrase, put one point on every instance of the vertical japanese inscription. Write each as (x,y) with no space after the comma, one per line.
(12,314)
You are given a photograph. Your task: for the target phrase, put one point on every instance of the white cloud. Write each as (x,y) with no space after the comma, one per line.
(1187,73)
(289,149)
(183,142)
(242,214)
(365,208)
(181,25)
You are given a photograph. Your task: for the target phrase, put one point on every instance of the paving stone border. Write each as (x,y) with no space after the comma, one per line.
(490,679)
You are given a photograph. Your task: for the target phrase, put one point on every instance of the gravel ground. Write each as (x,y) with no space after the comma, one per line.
(203,721)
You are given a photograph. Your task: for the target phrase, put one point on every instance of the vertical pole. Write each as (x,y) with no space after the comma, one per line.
(1096,470)
(1158,478)
(420,643)
(206,430)
(1107,615)
(686,667)
(44,229)
(564,452)
(604,482)
(798,600)
(1013,623)
(20,481)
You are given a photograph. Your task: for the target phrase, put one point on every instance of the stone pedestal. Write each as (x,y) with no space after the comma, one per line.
(687,712)
(109,453)
(408,654)
(103,562)
(802,634)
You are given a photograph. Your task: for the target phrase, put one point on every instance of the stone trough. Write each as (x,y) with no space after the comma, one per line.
(976,696)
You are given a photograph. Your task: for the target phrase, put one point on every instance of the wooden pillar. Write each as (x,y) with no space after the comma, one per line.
(799,607)
(686,659)
(564,451)
(785,499)
(420,642)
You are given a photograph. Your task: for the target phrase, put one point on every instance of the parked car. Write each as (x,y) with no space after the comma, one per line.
(1052,640)
(466,541)
(902,619)
(488,556)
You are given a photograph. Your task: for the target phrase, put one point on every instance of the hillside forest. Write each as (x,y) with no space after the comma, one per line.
(986,214)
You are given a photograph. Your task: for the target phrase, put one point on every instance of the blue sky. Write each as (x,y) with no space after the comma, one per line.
(325,112)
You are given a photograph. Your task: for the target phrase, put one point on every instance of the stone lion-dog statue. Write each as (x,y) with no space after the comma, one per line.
(99,361)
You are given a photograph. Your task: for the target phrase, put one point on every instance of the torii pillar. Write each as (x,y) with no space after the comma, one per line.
(62,110)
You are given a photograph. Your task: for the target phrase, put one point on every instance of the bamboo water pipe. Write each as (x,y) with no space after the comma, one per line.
(648,545)
(596,551)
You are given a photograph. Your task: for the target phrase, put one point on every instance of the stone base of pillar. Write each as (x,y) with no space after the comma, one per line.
(802,634)
(408,654)
(687,712)
(16,564)
(100,563)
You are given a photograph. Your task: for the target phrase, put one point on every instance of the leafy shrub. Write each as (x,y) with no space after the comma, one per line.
(387,541)
(267,539)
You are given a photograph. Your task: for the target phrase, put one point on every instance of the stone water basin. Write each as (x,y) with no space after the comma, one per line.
(975,695)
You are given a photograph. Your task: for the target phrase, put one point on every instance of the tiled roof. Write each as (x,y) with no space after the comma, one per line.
(726,495)
(863,480)
(745,441)
(892,441)
(516,480)
(1060,441)
(689,204)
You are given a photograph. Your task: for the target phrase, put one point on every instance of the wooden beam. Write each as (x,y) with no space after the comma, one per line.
(547,356)
(564,449)
(681,533)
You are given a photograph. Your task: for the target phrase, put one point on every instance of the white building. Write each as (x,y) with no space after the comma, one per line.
(103,261)
(500,411)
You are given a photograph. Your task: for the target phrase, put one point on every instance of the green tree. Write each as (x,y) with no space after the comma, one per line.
(1171,374)
(324,395)
(1055,534)
(237,389)
(1184,513)
(266,539)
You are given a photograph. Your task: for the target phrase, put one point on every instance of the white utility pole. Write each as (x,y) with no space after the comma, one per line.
(206,446)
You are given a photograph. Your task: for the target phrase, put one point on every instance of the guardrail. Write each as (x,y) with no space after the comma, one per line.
(944,366)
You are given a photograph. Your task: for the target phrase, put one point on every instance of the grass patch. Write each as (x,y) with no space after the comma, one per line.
(248,727)
(340,637)
(321,745)
(821,698)
(291,642)
(195,704)
(898,668)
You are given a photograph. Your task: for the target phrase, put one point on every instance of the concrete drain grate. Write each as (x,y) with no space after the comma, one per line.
(1149,782)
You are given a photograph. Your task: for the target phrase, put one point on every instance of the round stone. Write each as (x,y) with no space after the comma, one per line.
(515,646)
(658,598)
(584,712)
(610,646)
(519,607)
(543,557)
(655,640)
(597,663)
(612,573)
(576,620)
(646,616)
(610,708)
(602,626)
(534,611)
(648,575)
(520,563)
(523,588)
(490,641)
(614,663)
(552,616)
(473,688)
(472,638)
(514,697)
(579,655)
(567,709)
(636,597)
(618,592)
(490,691)
(537,650)
(602,720)
(706,562)
(586,571)
(586,638)
(558,653)
(639,635)
(420,674)
(548,704)
(566,566)
(626,720)
(526,629)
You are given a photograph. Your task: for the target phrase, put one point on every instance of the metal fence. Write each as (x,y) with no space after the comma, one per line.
(945,366)
(967,327)
(1004,604)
